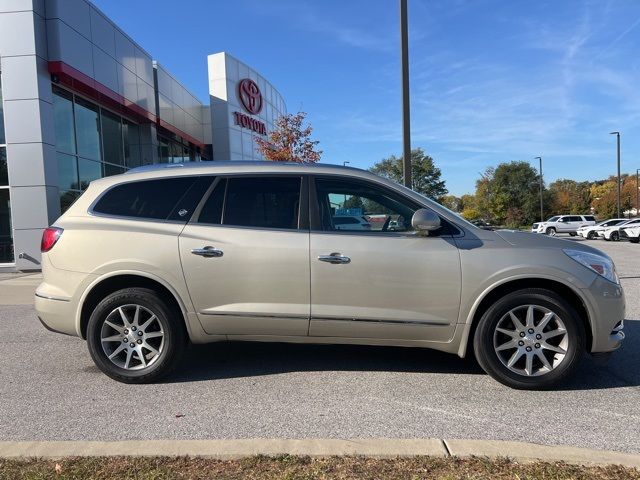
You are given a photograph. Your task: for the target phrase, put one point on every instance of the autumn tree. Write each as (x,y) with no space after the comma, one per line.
(570,197)
(425,176)
(290,141)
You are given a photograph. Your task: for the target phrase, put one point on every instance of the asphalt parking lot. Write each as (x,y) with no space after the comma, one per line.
(50,390)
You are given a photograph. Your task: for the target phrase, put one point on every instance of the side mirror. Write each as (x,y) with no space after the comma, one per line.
(425,220)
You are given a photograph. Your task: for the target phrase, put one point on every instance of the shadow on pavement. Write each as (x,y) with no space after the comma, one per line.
(239,359)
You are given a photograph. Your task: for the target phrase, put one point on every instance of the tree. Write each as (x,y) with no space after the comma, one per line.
(509,194)
(289,141)
(452,202)
(425,175)
(570,197)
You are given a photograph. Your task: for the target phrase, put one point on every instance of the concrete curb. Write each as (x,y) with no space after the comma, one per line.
(381,448)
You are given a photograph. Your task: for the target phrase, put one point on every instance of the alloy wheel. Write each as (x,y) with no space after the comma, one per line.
(531,340)
(132,337)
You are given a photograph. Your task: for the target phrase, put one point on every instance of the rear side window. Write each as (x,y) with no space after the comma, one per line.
(259,202)
(590,218)
(152,199)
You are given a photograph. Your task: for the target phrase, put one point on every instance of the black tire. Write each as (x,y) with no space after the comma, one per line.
(615,236)
(491,363)
(591,235)
(551,231)
(174,339)
(634,239)
(573,234)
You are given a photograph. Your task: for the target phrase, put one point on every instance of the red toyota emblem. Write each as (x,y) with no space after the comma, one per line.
(250,96)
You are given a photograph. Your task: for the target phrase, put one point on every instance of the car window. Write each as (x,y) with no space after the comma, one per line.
(382,210)
(574,218)
(590,218)
(260,202)
(553,219)
(149,199)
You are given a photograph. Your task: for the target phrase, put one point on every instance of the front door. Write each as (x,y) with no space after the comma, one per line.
(385,281)
(245,257)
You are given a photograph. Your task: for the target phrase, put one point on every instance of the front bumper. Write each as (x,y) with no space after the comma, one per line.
(607,309)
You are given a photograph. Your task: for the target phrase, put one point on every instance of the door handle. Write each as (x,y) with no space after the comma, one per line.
(207,252)
(335,258)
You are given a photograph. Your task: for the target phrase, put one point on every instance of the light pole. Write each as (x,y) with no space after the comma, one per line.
(617,134)
(541,209)
(344,164)
(406,120)
(637,193)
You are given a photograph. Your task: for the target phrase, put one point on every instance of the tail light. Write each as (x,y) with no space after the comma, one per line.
(49,238)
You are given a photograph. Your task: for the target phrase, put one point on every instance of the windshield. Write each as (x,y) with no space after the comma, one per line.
(553,219)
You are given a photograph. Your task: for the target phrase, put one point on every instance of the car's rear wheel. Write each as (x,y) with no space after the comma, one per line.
(573,234)
(530,339)
(551,231)
(591,235)
(134,336)
(615,236)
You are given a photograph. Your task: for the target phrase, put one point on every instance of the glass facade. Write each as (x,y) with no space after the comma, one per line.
(6,230)
(91,142)
(175,150)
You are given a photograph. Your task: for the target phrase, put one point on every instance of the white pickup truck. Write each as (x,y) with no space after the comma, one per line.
(563,224)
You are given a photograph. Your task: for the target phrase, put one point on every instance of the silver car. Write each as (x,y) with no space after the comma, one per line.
(144,262)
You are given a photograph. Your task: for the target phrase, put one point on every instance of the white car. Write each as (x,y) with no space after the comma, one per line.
(563,224)
(590,232)
(613,233)
(348,222)
(632,233)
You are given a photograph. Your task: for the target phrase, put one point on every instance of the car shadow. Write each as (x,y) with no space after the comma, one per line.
(248,359)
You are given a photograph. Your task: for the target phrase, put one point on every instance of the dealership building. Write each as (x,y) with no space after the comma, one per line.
(80,100)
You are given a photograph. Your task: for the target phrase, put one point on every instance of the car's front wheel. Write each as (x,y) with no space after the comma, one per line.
(615,236)
(591,235)
(551,231)
(134,336)
(530,339)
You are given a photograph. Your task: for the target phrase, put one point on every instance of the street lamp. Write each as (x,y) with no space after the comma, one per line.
(541,209)
(617,134)
(344,164)
(406,120)
(637,193)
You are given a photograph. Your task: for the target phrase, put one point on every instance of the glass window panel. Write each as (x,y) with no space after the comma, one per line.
(263,202)
(2,138)
(112,138)
(175,153)
(6,231)
(88,171)
(87,129)
(112,170)
(67,198)
(212,209)
(145,199)
(67,172)
(4,175)
(63,119)
(163,151)
(131,137)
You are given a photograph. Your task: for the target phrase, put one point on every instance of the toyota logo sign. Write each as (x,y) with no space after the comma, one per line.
(250,96)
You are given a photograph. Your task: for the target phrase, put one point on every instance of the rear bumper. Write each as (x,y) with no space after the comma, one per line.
(56,314)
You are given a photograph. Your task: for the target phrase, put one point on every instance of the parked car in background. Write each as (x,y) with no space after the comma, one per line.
(564,224)
(249,251)
(351,223)
(631,233)
(613,233)
(590,232)
(483,225)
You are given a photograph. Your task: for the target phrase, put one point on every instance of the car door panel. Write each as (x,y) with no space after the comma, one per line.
(396,287)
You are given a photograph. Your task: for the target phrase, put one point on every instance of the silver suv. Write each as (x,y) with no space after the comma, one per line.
(564,224)
(146,261)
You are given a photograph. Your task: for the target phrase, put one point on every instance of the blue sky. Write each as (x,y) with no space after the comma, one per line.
(491,81)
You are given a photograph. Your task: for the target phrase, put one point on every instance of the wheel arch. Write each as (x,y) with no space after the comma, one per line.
(495,292)
(106,285)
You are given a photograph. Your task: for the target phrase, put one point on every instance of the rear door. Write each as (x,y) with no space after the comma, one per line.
(245,256)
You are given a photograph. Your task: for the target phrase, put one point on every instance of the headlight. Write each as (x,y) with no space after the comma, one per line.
(602,265)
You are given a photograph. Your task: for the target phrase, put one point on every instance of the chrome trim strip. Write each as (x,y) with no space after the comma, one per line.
(252,314)
(374,320)
(58,299)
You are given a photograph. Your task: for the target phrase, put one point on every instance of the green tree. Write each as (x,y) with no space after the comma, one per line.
(509,194)
(570,197)
(452,202)
(425,175)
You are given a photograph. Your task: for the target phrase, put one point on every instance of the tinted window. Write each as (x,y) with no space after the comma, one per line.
(189,201)
(264,202)
(575,219)
(345,220)
(153,199)
(590,218)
